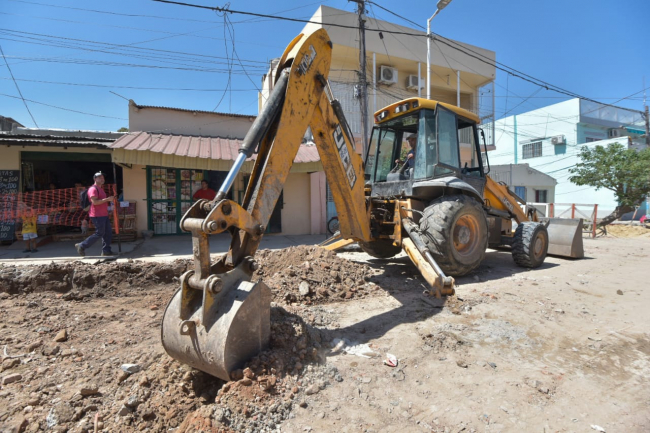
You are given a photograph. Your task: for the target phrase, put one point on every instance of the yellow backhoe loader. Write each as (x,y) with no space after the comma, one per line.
(439,206)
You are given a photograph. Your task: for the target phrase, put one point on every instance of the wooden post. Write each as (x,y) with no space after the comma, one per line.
(552,211)
(593,234)
(573,210)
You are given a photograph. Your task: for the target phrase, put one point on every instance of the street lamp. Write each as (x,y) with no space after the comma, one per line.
(440,6)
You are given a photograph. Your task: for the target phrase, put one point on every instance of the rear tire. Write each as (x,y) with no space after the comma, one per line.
(381,249)
(455,231)
(530,244)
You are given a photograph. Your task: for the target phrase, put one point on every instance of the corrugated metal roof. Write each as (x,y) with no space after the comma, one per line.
(250,116)
(215,148)
(13,139)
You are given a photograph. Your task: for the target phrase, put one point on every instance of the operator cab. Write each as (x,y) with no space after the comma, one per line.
(446,149)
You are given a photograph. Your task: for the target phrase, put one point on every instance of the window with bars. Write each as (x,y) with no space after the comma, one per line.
(531,150)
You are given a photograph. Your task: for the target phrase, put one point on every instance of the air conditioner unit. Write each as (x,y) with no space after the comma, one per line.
(558,139)
(614,133)
(387,75)
(413,83)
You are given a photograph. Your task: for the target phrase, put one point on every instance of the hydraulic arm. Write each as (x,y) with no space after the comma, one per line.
(218,319)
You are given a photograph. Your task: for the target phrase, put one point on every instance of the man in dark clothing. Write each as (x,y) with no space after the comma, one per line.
(410,156)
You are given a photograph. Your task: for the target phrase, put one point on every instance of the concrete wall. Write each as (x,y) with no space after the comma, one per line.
(410,48)
(10,155)
(296,213)
(317,183)
(408,56)
(135,189)
(524,175)
(299,216)
(185,122)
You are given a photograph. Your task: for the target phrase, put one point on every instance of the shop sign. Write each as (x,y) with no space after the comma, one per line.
(8,190)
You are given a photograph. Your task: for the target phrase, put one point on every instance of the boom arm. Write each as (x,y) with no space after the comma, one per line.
(499,197)
(300,98)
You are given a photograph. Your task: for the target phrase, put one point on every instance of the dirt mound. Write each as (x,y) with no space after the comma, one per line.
(628,231)
(296,275)
(80,276)
(312,275)
(67,358)
(263,394)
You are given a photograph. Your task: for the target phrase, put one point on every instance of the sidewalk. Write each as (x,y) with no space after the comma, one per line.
(161,248)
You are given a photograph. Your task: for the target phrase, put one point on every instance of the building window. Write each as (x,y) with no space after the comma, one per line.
(591,140)
(521,192)
(532,150)
(540,196)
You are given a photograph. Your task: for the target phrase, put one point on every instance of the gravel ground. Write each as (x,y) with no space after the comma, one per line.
(561,348)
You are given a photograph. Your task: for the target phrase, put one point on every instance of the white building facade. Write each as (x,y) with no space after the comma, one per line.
(549,139)
(396,65)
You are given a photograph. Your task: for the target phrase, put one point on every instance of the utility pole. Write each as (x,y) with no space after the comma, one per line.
(363,85)
(647,126)
(647,118)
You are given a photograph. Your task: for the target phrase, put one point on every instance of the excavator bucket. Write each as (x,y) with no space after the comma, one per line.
(565,237)
(218,331)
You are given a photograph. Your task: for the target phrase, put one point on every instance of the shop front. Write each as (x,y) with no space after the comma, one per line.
(165,171)
(49,168)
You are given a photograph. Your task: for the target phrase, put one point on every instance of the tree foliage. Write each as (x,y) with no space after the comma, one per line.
(123,129)
(624,171)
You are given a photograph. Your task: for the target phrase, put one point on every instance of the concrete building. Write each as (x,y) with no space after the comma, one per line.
(396,68)
(35,161)
(549,139)
(170,150)
(55,156)
(531,185)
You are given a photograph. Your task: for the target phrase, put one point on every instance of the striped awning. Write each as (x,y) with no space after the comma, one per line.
(202,153)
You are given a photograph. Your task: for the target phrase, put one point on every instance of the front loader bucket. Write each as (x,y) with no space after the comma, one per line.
(565,237)
(221,334)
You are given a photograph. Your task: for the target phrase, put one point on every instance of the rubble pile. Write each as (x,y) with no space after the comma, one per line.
(79,276)
(80,348)
(311,275)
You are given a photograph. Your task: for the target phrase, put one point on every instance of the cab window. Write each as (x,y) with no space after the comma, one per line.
(447,141)
(469,150)
(384,157)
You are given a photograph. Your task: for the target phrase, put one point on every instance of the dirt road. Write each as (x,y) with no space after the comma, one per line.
(562,348)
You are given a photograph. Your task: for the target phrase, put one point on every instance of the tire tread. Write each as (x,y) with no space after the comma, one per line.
(436,227)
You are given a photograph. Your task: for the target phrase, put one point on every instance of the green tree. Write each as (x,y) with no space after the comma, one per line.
(123,129)
(624,171)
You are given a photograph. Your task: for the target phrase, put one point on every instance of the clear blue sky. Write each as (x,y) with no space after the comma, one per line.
(595,48)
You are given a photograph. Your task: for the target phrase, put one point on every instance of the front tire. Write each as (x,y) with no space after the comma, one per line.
(530,245)
(455,231)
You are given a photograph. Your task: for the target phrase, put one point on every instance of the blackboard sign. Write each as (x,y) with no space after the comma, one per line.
(8,190)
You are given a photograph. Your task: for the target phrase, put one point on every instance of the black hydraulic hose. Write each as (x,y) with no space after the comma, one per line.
(269,113)
(257,132)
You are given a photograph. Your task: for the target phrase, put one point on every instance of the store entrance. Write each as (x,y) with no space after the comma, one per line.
(51,183)
(170,193)
(41,171)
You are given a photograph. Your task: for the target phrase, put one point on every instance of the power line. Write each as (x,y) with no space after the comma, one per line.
(127,87)
(496,64)
(109,86)
(62,108)
(148,16)
(17,87)
(35,36)
(118,64)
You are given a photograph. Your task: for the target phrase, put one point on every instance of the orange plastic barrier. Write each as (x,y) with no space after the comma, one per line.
(56,206)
